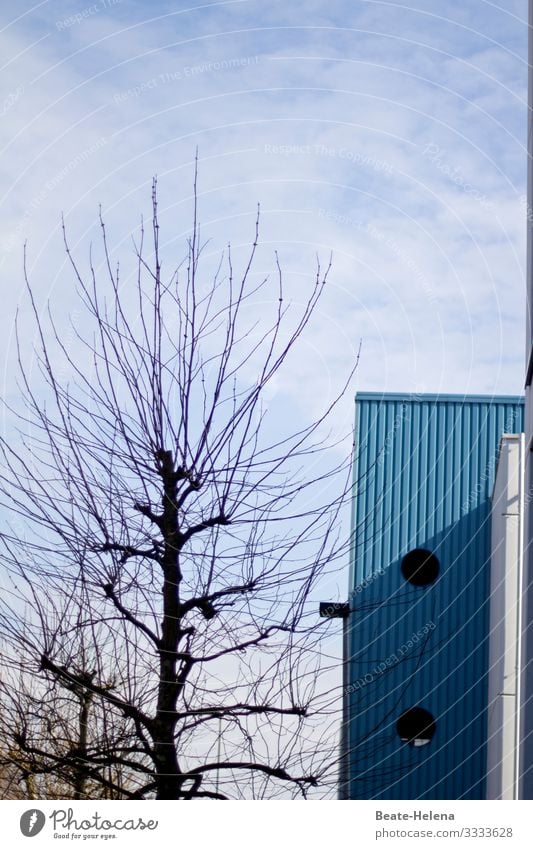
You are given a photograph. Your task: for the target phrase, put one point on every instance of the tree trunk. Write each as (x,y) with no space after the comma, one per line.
(81,774)
(167,768)
(168,777)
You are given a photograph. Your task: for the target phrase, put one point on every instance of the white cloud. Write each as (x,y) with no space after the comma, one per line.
(328,122)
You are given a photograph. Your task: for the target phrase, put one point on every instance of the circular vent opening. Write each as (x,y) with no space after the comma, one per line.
(420,567)
(416,727)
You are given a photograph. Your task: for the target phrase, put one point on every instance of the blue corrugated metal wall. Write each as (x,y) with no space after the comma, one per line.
(423,477)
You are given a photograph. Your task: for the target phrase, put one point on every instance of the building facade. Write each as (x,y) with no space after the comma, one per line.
(505,621)
(417,634)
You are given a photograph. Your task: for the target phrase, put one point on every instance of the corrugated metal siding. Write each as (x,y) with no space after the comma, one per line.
(422,479)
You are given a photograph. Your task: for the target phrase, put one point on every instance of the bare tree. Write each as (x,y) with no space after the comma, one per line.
(164,543)
(56,736)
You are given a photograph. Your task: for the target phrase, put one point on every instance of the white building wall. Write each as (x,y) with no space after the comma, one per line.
(505,621)
(526,674)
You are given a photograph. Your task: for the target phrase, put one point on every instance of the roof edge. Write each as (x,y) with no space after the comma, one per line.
(413,397)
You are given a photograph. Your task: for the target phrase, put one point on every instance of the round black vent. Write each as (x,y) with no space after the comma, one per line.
(420,567)
(416,726)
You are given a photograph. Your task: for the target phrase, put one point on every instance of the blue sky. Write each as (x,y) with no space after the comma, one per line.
(383,131)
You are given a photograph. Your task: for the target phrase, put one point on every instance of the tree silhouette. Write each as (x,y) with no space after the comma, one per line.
(164,539)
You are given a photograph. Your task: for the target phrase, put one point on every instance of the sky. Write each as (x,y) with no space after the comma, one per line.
(383,132)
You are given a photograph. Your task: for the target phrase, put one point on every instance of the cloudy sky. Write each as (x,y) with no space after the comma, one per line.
(379,130)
